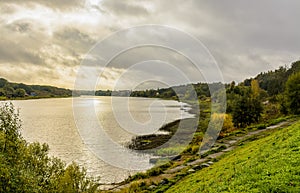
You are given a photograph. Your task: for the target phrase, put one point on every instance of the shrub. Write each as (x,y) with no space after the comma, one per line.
(227,126)
(28,168)
(246,110)
(155,171)
(261,126)
(293,93)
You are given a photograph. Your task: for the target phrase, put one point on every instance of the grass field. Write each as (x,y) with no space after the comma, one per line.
(270,164)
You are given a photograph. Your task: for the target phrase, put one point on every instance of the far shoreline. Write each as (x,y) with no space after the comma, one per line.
(32,98)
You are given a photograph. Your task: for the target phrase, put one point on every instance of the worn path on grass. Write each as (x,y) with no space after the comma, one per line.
(231,143)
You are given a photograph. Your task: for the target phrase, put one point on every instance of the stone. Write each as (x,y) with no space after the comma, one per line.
(204,165)
(152,187)
(191,170)
(164,181)
(197,167)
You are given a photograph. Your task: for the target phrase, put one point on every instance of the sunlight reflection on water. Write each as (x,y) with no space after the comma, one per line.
(52,121)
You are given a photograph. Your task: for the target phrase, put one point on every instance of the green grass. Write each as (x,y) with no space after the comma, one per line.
(3,98)
(270,164)
(278,120)
(169,151)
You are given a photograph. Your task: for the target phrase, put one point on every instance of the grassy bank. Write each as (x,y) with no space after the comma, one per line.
(270,164)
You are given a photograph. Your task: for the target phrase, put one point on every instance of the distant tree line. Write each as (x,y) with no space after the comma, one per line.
(175,92)
(268,95)
(9,90)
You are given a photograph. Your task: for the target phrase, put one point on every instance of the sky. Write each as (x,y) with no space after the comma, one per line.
(49,42)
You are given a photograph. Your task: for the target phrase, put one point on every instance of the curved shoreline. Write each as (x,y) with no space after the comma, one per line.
(151,141)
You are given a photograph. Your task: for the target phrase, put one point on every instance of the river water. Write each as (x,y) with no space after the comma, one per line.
(70,126)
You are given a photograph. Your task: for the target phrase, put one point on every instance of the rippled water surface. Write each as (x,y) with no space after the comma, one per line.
(70,134)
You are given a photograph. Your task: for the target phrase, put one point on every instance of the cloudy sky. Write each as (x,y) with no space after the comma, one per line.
(45,42)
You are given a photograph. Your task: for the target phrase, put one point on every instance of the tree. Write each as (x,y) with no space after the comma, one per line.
(232,85)
(74,180)
(246,110)
(3,82)
(28,168)
(255,88)
(9,91)
(282,104)
(294,68)
(20,92)
(292,92)
(227,122)
(2,93)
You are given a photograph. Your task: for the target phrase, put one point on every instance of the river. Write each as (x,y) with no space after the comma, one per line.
(59,121)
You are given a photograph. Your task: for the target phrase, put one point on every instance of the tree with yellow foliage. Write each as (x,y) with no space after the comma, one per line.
(227,122)
(255,89)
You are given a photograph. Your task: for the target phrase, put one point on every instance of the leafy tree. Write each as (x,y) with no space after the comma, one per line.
(27,88)
(9,91)
(255,88)
(74,180)
(246,110)
(2,93)
(294,68)
(293,93)
(227,122)
(3,82)
(232,85)
(28,168)
(282,104)
(20,92)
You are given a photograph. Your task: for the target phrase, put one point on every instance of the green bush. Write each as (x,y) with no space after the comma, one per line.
(155,171)
(292,92)
(27,167)
(261,126)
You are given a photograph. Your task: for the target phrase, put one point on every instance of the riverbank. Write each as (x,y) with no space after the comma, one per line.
(266,161)
(171,173)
